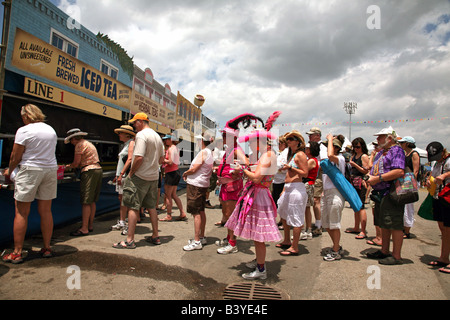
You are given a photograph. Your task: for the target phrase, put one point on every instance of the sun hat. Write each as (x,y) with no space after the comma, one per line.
(435,151)
(407,139)
(72,133)
(139,116)
(125,129)
(295,134)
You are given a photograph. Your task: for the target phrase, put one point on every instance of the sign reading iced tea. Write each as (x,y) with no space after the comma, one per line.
(33,55)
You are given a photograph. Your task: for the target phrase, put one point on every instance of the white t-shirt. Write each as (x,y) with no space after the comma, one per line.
(39,140)
(327,183)
(148,144)
(201,177)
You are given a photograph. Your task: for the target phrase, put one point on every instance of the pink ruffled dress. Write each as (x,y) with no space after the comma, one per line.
(254,217)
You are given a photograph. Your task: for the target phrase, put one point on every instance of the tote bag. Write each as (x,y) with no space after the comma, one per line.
(426,208)
(404,190)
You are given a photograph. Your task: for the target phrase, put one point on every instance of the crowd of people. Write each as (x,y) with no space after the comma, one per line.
(287,183)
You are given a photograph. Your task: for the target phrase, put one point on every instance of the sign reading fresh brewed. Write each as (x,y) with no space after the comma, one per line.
(33,55)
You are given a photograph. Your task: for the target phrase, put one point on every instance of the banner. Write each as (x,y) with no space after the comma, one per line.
(40,58)
(324,123)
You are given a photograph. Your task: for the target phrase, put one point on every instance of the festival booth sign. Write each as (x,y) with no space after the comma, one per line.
(40,58)
(162,119)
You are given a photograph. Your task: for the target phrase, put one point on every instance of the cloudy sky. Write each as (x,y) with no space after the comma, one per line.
(304,58)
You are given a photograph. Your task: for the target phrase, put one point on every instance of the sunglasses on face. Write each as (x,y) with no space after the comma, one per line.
(356,147)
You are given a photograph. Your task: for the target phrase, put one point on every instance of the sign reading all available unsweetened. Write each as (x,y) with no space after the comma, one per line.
(33,55)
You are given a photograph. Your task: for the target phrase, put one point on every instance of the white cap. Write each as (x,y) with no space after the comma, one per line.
(389,130)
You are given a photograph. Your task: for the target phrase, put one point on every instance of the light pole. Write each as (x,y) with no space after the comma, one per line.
(350,108)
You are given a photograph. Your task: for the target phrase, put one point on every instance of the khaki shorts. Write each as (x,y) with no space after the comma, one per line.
(139,193)
(310,193)
(196,198)
(332,204)
(318,186)
(35,183)
(91,185)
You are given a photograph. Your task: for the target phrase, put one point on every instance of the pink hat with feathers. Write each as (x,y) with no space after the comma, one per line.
(264,133)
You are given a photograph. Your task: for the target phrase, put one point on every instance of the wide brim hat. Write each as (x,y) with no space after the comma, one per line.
(261,134)
(387,131)
(294,133)
(74,133)
(125,129)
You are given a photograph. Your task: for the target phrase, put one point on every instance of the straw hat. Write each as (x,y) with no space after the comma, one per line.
(125,129)
(295,134)
(74,133)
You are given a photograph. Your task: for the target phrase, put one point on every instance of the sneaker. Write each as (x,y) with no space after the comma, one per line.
(193,245)
(119,225)
(256,274)
(303,236)
(227,249)
(124,230)
(332,256)
(252,264)
(222,243)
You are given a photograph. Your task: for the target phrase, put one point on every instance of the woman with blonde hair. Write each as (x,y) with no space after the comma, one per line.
(33,155)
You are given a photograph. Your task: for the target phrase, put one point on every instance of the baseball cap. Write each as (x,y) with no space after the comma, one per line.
(314,130)
(389,130)
(407,139)
(435,150)
(139,116)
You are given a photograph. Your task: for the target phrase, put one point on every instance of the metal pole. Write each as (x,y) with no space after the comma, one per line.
(350,108)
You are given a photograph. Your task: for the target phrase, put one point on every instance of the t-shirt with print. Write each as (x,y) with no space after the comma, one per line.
(384,162)
(149,146)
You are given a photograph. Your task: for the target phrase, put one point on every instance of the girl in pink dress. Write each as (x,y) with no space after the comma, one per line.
(254,217)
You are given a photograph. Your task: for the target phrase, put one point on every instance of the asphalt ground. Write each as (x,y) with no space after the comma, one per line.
(89,268)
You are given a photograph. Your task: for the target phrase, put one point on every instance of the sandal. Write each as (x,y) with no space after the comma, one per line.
(125,245)
(288,253)
(283,246)
(438,263)
(361,235)
(46,253)
(185,218)
(166,219)
(373,242)
(156,241)
(219,224)
(14,258)
(445,270)
(78,233)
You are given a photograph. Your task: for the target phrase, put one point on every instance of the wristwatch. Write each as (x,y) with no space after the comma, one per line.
(381,178)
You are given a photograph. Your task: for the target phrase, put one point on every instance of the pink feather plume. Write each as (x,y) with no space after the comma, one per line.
(272,119)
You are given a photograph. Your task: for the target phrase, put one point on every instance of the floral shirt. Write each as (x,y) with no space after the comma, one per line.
(89,155)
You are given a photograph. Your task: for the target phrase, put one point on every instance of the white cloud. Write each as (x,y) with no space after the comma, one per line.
(305,58)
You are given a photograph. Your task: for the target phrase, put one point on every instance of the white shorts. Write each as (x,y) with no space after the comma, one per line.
(332,204)
(292,204)
(35,183)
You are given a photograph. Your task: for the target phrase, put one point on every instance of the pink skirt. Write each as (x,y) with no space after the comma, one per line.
(254,217)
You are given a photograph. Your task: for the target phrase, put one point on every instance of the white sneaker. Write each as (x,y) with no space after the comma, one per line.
(303,236)
(193,245)
(227,249)
(119,225)
(309,235)
(124,230)
(256,274)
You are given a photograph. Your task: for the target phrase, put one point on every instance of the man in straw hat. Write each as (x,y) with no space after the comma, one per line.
(388,165)
(141,184)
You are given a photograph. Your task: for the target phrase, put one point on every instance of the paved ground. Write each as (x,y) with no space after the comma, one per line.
(166,272)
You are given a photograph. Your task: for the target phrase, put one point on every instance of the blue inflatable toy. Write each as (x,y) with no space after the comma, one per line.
(342,184)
